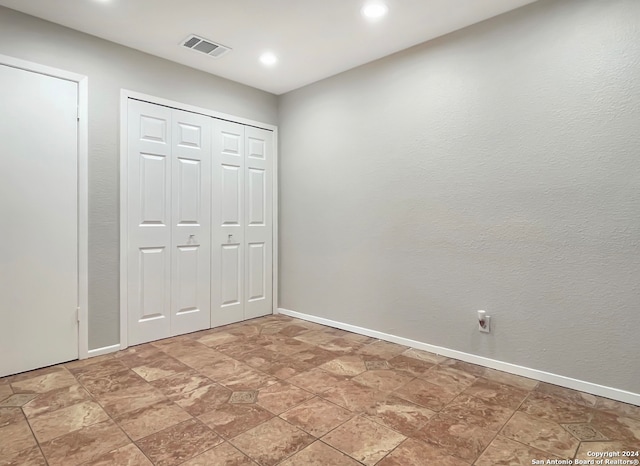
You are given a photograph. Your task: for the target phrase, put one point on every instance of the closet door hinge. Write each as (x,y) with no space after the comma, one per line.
(78,314)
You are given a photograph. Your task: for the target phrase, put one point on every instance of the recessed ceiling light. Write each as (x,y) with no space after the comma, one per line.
(374,10)
(268,59)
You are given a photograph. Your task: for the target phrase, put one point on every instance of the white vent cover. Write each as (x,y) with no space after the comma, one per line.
(205,46)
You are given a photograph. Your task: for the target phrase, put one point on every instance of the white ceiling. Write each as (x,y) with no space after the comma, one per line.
(313,39)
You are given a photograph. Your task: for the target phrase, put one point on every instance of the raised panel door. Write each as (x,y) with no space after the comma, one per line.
(228,214)
(258,222)
(149,222)
(191,217)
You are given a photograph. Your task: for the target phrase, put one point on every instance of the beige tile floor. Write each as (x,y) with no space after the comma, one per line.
(281,391)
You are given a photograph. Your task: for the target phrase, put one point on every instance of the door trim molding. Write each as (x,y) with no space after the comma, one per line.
(125,95)
(83,187)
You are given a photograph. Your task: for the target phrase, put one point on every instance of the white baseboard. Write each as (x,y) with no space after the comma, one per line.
(104,350)
(575,384)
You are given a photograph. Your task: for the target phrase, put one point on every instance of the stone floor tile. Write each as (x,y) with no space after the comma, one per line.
(151,419)
(56,399)
(341,346)
(203,399)
(29,457)
(381,349)
(567,394)
(98,369)
(478,412)
(345,366)
(541,434)
(426,394)
(216,339)
(231,420)
(319,454)
(411,366)
(617,407)
(45,383)
(54,424)
(129,399)
(224,454)
(10,416)
(178,385)
(424,356)
(248,379)
(457,437)
(412,452)
(505,452)
(315,337)
(364,440)
(135,356)
(158,368)
(18,400)
(271,442)
(281,396)
(177,444)
(401,415)
(14,437)
(316,380)
(555,409)
(37,373)
(293,330)
(513,380)
(317,416)
(383,380)
(497,393)
(354,397)
(5,391)
(107,383)
(614,427)
(473,369)
(84,445)
(449,377)
(129,455)
(313,357)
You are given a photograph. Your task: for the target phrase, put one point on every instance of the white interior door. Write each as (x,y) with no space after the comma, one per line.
(242,211)
(200,230)
(149,222)
(227,303)
(191,235)
(258,222)
(169,205)
(39,226)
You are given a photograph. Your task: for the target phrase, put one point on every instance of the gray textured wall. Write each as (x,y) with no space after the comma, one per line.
(111,67)
(496,168)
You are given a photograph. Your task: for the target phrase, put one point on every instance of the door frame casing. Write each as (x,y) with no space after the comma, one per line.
(83,187)
(125,95)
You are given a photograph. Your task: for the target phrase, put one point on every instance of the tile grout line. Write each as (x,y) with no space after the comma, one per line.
(112,420)
(502,428)
(32,432)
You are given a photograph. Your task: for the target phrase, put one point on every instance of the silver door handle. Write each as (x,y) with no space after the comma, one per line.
(229,237)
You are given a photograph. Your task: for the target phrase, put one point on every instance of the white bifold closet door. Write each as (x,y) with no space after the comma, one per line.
(168,195)
(242,232)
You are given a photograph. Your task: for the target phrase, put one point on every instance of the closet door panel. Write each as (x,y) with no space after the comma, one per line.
(191,229)
(149,222)
(228,256)
(258,222)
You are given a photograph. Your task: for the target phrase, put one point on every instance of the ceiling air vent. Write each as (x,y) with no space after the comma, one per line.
(205,46)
